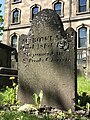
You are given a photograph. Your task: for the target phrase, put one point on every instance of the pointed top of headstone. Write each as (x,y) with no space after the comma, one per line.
(48,17)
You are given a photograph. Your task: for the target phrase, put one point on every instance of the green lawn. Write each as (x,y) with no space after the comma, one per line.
(83,85)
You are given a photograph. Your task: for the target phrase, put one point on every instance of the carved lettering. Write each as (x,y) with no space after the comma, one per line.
(42,44)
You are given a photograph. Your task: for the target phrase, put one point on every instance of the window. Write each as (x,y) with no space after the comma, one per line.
(16,1)
(82,37)
(15,16)
(58,7)
(34,10)
(82,5)
(81,57)
(14,41)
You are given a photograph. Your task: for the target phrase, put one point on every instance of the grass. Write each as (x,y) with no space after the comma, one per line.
(83,85)
(15,115)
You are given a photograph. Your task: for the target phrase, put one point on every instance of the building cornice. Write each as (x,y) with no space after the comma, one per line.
(77,18)
(15,27)
(64,20)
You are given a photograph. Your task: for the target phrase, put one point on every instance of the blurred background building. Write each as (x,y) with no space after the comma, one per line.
(74,13)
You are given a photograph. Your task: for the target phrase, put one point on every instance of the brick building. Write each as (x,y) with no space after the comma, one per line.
(74,13)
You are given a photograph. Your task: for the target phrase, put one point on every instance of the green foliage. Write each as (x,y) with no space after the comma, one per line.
(14,115)
(83,93)
(37,103)
(61,115)
(8,96)
(83,85)
(37,99)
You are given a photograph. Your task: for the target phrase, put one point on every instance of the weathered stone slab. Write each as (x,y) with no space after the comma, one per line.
(47,61)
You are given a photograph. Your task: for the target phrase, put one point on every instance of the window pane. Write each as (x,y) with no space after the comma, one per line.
(16,0)
(15,16)
(83,2)
(82,8)
(14,41)
(57,8)
(58,12)
(81,57)
(82,42)
(34,11)
(82,5)
(82,32)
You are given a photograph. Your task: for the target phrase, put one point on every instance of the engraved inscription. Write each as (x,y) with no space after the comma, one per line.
(41,49)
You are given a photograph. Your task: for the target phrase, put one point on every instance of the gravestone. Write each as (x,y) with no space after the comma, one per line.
(47,61)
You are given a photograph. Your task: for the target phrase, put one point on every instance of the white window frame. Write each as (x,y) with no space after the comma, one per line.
(62,6)
(87,7)
(19,18)
(19,1)
(83,25)
(10,41)
(31,8)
